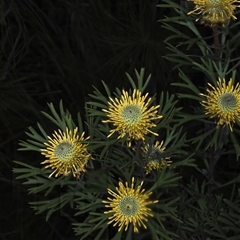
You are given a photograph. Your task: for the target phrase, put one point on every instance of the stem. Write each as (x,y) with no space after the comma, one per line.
(216,44)
(212,163)
(139,156)
(213,160)
(214,157)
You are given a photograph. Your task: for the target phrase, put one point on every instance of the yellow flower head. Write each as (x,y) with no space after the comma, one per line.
(128,205)
(223,102)
(131,115)
(154,157)
(214,12)
(66,153)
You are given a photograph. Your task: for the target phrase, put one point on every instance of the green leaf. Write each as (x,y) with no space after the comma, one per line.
(216,234)
(25,165)
(35,135)
(225,221)
(131,81)
(51,119)
(232,205)
(234,238)
(54,113)
(141,83)
(118,236)
(106,88)
(235,143)
(42,130)
(103,228)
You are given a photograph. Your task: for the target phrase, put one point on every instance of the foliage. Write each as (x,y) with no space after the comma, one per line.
(112,160)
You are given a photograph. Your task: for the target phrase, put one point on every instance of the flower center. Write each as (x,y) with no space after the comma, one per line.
(227,102)
(64,151)
(131,114)
(216,3)
(128,206)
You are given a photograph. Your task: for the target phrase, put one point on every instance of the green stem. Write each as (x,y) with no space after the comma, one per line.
(139,157)
(211,169)
(216,44)
(212,159)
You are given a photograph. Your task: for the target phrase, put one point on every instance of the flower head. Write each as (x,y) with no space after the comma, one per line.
(128,205)
(223,102)
(66,153)
(214,12)
(154,157)
(130,115)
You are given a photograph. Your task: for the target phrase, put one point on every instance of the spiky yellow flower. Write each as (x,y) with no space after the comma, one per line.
(214,12)
(223,102)
(131,115)
(154,157)
(66,153)
(129,206)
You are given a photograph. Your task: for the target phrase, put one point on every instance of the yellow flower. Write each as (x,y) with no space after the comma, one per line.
(214,12)
(223,102)
(131,116)
(66,153)
(154,157)
(129,205)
